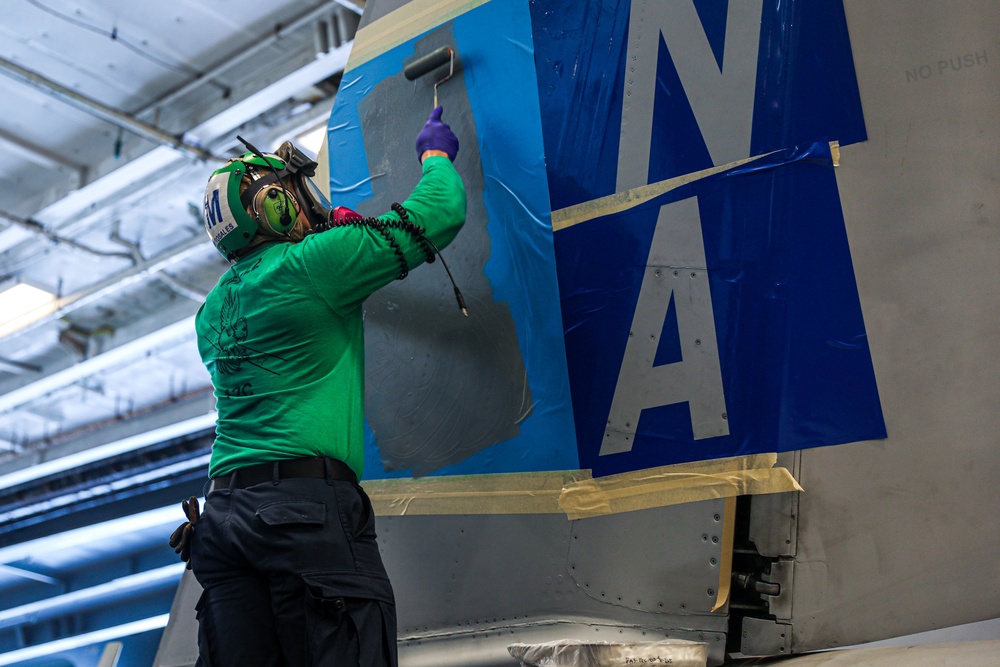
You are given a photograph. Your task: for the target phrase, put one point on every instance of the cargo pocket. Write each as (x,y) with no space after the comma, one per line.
(366,521)
(286,512)
(205,631)
(350,620)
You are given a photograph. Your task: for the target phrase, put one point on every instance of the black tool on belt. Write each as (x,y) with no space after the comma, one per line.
(180,539)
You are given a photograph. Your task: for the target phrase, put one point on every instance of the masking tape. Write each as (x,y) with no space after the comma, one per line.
(835,153)
(574,215)
(672,485)
(514,493)
(726,552)
(401,25)
(576,493)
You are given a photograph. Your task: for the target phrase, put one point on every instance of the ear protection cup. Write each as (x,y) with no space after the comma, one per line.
(275,209)
(253,194)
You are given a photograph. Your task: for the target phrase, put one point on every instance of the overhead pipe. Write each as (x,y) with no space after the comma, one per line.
(258,46)
(136,273)
(131,123)
(38,229)
(104,112)
(121,119)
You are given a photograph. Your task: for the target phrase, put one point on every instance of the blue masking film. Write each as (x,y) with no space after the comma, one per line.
(580,56)
(805,88)
(505,105)
(495,46)
(793,355)
(625,101)
(795,363)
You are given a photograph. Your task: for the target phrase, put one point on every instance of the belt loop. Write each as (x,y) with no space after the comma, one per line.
(232,479)
(275,474)
(328,466)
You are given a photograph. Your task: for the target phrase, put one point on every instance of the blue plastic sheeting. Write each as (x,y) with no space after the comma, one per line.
(570,101)
(495,48)
(795,363)
(635,92)
(804,90)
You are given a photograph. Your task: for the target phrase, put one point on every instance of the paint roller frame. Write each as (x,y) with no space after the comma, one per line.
(429,63)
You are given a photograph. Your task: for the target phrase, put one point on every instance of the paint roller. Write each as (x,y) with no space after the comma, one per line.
(414,71)
(429,63)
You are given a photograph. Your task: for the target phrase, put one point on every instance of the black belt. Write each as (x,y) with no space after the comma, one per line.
(310,468)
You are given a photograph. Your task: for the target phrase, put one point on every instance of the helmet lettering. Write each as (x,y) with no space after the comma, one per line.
(213,209)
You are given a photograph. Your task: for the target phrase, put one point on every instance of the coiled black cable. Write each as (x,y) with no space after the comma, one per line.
(385,228)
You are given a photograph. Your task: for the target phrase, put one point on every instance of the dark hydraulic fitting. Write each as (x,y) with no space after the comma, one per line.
(750,582)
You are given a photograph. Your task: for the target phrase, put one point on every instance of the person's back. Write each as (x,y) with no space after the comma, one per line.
(281,334)
(286,549)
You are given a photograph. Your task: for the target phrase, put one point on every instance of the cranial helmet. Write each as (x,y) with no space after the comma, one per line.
(249,197)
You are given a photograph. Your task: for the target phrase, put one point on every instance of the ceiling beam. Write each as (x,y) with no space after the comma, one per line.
(138,272)
(168,335)
(304,21)
(75,600)
(140,170)
(99,110)
(93,534)
(87,639)
(16,147)
(35,465)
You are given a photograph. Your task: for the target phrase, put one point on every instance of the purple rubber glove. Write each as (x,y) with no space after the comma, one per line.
(436,135)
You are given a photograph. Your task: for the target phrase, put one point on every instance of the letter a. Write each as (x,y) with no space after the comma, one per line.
(676,268)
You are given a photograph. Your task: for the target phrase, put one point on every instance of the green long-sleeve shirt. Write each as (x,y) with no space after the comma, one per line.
(282,337)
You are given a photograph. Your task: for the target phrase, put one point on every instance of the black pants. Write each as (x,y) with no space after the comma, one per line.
(292,577)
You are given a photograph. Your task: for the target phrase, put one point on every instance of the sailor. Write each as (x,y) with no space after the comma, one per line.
(286,550)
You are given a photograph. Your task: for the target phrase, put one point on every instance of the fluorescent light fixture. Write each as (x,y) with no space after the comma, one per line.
(87,639)
(49,607)
(95,533)
(24,510)
(108,450)
(21,304)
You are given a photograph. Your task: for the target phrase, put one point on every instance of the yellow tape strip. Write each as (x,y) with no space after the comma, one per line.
(622,201)
(520,493)
(726,552)
(576,493)
(574,215)
(672,485)
(411,20)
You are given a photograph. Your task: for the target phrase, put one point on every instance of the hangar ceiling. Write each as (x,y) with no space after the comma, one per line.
(112,115)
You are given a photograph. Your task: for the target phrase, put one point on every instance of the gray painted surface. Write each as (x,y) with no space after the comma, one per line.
(639,566)
(900,536)
(439,386)
(468,586)
(179,643)
(890,537)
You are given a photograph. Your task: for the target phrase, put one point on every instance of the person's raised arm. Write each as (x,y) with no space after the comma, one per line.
(349,262)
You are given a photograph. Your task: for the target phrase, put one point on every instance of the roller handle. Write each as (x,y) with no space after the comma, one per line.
(428,63)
